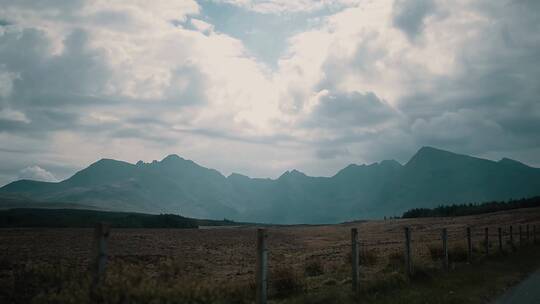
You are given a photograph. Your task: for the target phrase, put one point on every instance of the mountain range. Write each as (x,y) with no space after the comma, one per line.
(176,185)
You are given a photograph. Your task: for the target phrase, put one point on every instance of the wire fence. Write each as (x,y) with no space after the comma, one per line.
(170,263)
(406,246)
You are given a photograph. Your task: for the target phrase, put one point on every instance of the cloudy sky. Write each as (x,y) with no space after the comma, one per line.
(263,86)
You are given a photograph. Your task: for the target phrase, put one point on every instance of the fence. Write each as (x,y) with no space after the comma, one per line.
(102,232)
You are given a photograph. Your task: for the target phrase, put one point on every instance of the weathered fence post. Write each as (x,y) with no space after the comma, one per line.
(354,258)
(500,240)
(101,235)
(408,255)
(444,236)
(469,245)
(520,236)
(486,240)
(511,237)
(262,266)
(528,235)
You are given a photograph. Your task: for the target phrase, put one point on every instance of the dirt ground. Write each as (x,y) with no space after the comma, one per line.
(225,254)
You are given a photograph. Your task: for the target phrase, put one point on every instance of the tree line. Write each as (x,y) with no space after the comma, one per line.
(472,208)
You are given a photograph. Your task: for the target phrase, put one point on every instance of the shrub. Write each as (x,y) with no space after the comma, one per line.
(285,282)
(436,252)
(329,295)
(385,282)
(124,283)
(423,272)
(329,282)
(457,254)
(368,257)
(396,261)
(365,257)
(313,268)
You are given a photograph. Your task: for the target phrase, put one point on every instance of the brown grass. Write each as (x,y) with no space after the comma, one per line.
(285,282)
(313,268)
(218,257)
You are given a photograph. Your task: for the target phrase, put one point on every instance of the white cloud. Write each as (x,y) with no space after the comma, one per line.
(202,26)
(139,80)
(6,82)
(289,6)
(37,173)
(11,115)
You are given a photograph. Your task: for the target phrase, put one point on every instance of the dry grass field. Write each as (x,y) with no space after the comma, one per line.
(316,256)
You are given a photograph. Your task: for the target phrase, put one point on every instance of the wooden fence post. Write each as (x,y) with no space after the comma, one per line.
(262,266)
(528,235)
(444,236)
(520,236)
(469,245)
(486,240)
(408,257)
(101,235)
(500,240)
(511,237)
(354,258)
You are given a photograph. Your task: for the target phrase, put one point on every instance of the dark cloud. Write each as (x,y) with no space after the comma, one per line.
(215,133)
(487,104)
(492,102)
(409,15)
(50,90)
(345,110)
(330,153)
(187,86)
(74,76)
(57,91)
(53,7)
(363,61)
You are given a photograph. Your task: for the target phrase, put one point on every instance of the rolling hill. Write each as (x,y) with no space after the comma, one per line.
(176,185)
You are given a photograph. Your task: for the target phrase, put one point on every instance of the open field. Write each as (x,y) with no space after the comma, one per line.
(316,255)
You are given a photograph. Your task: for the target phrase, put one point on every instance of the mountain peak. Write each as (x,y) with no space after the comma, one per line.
(104,162)
(431,150)
(292,174)
(101,171)
(512,162)
(171,157)
(175,160)
(238,176)
(390,163)
(432,155)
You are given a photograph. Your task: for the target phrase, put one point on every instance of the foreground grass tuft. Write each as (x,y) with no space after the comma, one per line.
(313,268)
(480,282)
(130,283)
(285,282)
(124,283)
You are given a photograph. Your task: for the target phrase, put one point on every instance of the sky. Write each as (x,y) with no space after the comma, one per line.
(259,87)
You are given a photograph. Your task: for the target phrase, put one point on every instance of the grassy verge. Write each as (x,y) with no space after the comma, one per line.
(480,282)
(127,282)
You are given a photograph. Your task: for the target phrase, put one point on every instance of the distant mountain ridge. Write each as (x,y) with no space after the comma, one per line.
(176,185)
